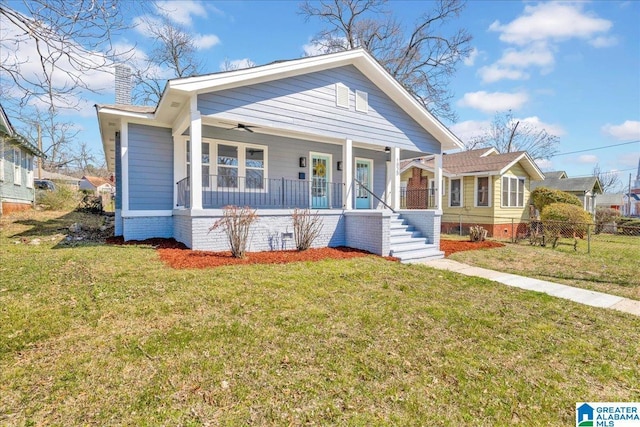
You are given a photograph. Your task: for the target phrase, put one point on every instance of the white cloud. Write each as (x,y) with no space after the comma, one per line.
(551,21)
(236,64)
(588,158)
(604,41)
(495,72)
(205,41)
(629,130)
(181,11)
(471,59)
(491,102)
(556,130)
(313,49)
(545,164)
(469,129)
(537,32)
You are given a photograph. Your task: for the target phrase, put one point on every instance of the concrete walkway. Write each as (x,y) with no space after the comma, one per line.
(583,296)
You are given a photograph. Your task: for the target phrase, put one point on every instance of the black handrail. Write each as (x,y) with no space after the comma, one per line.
(376,197)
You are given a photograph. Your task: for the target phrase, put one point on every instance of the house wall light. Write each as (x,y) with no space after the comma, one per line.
(339,165)
(303,162)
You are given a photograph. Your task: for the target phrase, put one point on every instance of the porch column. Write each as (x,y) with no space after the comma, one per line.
(347,174)
(395,178)
(179,165)
(195,145)
(437,177)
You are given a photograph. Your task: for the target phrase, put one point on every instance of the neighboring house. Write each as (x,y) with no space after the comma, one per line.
(611,200)
(16,168)
(586,188)
(325,132)
(59,178)
(96,184)
(632,198)
(481,187)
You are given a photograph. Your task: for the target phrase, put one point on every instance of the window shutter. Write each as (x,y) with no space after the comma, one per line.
(342,95)
(362,101)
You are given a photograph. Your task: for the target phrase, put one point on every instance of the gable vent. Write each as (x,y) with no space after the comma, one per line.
(342,95)
(362,101)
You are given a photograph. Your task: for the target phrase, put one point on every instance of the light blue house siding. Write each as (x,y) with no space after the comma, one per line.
(150,168)
(12,190)
(307,103)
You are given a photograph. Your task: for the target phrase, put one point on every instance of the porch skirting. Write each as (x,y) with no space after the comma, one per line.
(272,231)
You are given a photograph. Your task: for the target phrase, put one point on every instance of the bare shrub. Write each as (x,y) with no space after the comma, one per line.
(306,228)
(477,233)
(236,223)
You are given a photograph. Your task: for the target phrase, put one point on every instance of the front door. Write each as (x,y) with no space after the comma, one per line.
(320,178)
(364,168)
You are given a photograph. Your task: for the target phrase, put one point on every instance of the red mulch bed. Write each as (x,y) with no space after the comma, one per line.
(177,255)
(452,246)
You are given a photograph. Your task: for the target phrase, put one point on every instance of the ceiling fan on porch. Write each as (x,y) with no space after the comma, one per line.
(242,128)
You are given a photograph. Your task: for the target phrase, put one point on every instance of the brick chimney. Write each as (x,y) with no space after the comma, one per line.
(123,85)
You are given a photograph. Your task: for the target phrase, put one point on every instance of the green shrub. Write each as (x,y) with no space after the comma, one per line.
(628,226)
(543,196)
(565,220)
(62,198)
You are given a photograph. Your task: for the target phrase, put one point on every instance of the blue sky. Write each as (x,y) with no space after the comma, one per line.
(572,68)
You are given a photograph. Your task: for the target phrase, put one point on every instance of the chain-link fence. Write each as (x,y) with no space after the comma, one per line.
(578,237)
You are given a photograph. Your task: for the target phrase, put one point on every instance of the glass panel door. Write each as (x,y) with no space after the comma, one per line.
(320,178)
(363,179)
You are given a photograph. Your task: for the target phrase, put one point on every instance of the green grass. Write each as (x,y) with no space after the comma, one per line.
(611,267)
(108,335)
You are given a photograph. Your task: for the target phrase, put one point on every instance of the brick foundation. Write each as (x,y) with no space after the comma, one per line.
(10,207)
(498,231)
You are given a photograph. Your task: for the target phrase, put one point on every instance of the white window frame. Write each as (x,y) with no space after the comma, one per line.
(362,101)
(475,191)
(461,179)
(17,172)
(187,155)
(29,168)
(340,91)
(242,163)
(511,179)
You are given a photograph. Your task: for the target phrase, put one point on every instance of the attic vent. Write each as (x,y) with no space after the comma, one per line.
(362,101)
(342,95)
(175,104)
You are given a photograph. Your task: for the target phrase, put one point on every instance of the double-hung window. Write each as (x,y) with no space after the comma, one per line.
(17,161)
(512,192)
(455,192)
(227,164)
(482,191)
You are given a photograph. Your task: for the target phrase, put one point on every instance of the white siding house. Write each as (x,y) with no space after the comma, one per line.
(325,133)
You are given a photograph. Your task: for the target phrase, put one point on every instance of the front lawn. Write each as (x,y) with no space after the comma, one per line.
(611,267)
(108,335)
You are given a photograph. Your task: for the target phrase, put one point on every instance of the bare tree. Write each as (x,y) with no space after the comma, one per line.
(506,134)
(52,49)
(228,65)
(422,59)
(609,181)
(173,55)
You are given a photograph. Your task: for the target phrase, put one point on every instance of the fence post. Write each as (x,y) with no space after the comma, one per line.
(512,234)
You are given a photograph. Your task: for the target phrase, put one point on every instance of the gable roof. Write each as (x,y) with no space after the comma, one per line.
(576,185)
(610,199)
(96,181)
(9,133)
(478,162)
(556,175)
(178,93)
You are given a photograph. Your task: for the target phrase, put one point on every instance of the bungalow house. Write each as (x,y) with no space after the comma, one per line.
(16,168)
(96,185)
(586,188)
(481,187)
(325,133)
